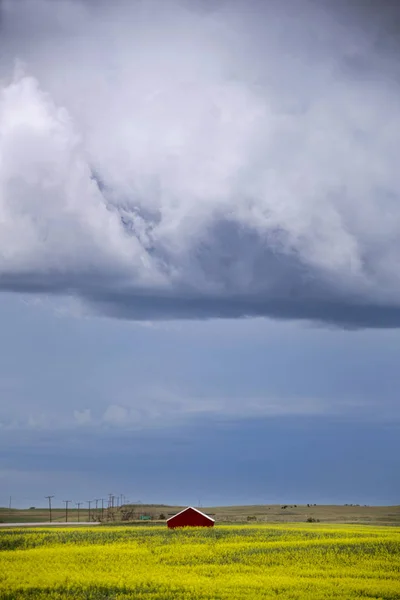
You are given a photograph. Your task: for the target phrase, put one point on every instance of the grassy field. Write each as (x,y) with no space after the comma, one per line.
(310,561)
(373,515)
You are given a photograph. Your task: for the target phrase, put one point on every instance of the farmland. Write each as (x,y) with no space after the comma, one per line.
(275,513)
(308,560)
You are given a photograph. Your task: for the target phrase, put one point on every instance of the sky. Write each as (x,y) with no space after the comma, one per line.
(199,249)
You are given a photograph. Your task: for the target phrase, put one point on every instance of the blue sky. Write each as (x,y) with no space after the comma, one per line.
(199,250)
(218,412)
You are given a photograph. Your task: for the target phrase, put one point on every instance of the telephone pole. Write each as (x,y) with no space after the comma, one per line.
(102,508)
(110,507)
(97,500)
(49,499)
(89,502)
(79,504)
(66,509)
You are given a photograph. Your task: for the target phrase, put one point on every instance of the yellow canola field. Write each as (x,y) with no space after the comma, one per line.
(310,561)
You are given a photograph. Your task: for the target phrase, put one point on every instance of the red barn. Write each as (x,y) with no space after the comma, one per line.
(190,517)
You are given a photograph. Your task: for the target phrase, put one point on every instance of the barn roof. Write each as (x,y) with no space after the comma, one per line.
(191,508)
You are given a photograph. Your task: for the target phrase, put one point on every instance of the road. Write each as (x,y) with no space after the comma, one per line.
(53,524)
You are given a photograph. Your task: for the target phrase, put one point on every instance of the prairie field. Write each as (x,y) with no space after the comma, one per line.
(277,513)
(289,561)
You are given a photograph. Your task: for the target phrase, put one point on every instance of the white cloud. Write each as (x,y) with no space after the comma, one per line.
(117,415)
(162,408)
(53,215)
(237,155)
(83,417)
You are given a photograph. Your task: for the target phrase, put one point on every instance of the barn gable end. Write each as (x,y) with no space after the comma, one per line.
(190,517)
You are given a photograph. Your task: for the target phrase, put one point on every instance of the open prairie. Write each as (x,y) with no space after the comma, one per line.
(313,561)
(275,513)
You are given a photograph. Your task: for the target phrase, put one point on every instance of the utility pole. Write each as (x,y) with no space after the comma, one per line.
(79,504)
(49,499)
(66,509)
(110,506)
(89,502)
(97,500)
(102,508)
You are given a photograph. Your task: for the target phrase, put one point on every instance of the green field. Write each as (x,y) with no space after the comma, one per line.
(311,561)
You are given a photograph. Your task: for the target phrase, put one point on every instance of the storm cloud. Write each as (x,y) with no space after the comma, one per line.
(163,160)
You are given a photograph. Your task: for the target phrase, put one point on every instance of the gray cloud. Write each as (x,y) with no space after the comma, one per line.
(177,160)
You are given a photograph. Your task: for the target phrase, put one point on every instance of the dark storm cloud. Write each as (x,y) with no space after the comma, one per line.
(198,160)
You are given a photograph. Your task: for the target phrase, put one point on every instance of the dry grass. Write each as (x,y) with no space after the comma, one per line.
(372,515)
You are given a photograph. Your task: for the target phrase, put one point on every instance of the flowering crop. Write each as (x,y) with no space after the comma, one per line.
(236,562)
